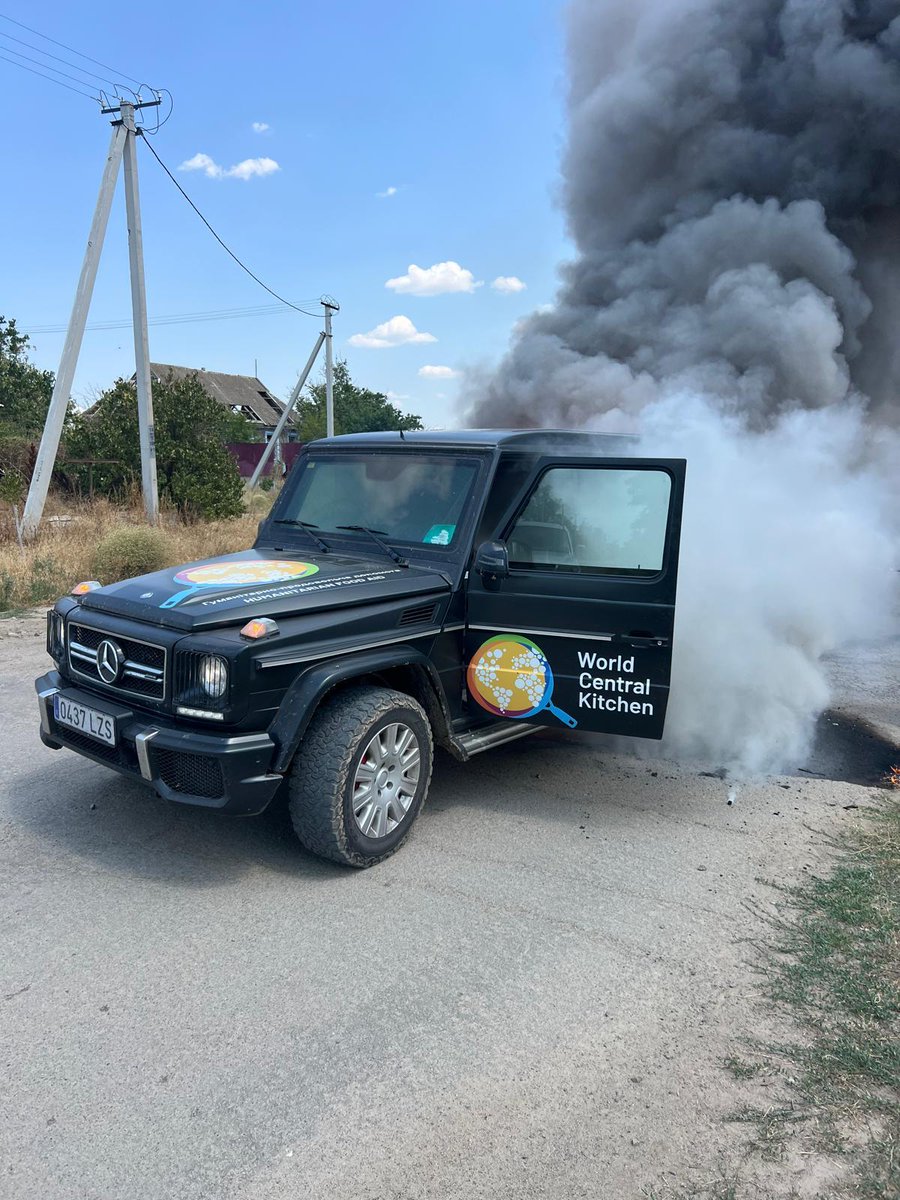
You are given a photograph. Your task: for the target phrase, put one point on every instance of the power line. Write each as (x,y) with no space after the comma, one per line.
(46,66)
(71,50)
(32,71)
(225,247)
(262,310)
(46,53)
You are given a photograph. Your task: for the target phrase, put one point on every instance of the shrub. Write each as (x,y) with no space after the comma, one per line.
(130,551)
(195,472)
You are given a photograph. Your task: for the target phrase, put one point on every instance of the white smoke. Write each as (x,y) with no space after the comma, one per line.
(731,186)
(787,553)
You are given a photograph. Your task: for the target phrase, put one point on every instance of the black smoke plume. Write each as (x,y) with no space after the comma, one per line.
(731,182)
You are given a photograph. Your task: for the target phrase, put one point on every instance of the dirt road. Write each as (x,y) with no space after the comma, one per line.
(532,999)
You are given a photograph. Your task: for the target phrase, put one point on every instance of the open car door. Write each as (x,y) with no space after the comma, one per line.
(571,609)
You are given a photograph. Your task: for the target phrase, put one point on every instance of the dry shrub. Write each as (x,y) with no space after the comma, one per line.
(131,550)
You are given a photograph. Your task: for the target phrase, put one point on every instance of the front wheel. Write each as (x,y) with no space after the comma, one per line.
(361,775)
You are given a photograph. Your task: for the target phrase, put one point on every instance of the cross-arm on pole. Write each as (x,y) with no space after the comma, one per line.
(62,388)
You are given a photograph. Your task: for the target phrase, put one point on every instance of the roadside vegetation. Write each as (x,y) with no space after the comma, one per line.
(835,967)
(101,540)
(829,1123)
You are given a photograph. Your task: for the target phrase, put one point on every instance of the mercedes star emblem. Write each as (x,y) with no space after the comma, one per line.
(110,661)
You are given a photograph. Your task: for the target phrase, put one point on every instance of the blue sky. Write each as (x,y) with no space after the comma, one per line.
(456,105)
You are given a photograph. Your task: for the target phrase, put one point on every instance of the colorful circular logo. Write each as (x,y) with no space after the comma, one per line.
(509,676)
(241,574)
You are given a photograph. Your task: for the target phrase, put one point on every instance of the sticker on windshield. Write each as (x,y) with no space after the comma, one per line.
(237,574)
(440,535)
(510,677)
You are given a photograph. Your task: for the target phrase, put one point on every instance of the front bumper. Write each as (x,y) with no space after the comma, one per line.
(206,769)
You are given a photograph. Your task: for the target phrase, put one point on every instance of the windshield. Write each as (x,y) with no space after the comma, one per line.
(404,497)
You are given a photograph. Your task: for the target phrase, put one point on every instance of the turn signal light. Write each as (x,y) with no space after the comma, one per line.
(89,585)
(259,627)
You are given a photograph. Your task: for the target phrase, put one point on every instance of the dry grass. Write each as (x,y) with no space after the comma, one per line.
(64,551)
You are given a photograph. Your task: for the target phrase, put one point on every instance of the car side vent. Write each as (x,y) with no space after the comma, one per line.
(418,616)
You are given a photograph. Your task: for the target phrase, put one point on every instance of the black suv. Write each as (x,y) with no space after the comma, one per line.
(458,588)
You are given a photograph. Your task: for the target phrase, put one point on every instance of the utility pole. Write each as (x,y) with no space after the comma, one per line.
(139,319)
(282,420)
(122,144)
(62,388)
(330,306)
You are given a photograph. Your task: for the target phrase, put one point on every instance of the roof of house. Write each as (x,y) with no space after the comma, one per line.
(244,392)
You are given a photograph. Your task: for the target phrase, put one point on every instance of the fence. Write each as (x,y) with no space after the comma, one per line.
(248,454)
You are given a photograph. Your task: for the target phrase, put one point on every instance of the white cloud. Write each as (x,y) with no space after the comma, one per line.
(508,284)
(260,127)
(398,331)
(253,166)
(391,191)
(437,372)
(434,281)
(242,170)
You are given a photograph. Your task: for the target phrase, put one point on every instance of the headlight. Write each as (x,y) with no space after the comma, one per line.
(56,635)
(213,675)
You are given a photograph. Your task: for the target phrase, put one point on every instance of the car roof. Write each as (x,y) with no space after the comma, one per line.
(571,441)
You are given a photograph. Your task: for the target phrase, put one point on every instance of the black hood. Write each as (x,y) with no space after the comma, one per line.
(236,587)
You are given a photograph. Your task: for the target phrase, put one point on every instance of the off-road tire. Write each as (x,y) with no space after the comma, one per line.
(321,778)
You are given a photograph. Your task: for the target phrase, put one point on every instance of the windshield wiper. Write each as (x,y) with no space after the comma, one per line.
(307,528)
(373,534)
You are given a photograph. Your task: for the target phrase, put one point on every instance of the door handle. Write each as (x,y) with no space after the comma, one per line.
(644,639)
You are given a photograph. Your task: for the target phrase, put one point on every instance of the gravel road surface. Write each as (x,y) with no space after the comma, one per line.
(532,999)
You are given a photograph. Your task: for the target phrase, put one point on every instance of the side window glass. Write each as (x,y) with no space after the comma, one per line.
(602,519)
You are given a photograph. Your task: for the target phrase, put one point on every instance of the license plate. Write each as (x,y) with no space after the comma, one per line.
(86,720)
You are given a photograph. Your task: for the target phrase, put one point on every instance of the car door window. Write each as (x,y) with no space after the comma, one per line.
(606,520)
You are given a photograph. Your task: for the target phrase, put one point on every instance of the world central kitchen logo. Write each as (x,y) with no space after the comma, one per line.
(510,676)
(596,678)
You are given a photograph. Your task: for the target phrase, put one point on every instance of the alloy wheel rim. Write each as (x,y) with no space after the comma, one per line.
(386,780)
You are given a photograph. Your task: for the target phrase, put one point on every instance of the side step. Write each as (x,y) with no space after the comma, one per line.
(468,744)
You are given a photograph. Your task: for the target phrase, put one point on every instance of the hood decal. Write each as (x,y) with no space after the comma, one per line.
(217,591)
(301,589)
(236,574)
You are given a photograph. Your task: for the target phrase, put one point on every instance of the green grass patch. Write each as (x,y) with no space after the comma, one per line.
(835,966)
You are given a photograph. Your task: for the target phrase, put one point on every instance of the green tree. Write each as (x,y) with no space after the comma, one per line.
(356,409)
(196,473)
(25,390)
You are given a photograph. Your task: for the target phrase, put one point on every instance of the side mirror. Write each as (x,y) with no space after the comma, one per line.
(492,558)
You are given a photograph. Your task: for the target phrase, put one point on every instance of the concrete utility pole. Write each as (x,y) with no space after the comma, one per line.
(122,144)
(139,319)
(330,306)
(62,388)
(282,420)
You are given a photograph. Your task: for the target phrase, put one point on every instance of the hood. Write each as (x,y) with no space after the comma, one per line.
(253,583)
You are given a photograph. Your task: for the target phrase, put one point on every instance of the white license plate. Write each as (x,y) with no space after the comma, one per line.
(86,720)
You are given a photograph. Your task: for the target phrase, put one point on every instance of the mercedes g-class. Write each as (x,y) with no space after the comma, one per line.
(458,589)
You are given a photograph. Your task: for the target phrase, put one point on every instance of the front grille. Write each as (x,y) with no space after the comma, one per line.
(190,774)
(122,755)
(144,670)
